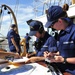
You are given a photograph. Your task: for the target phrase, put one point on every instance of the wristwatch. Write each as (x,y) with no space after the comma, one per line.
(65,61)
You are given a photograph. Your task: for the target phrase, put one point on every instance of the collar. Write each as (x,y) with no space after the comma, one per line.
(69,28)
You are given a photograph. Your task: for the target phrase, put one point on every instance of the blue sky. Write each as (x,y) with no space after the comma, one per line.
(24,13)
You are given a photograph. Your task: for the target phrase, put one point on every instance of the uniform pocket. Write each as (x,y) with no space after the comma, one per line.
(68,49)
(68,45)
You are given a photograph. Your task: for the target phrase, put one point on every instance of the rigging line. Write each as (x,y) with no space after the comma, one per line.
(54,2)
(13,11)
(49,3)
(10,19)
(1,18)
(2,36)
(43,9)
(10,15)
(16,7)
(59,2)
(65,1)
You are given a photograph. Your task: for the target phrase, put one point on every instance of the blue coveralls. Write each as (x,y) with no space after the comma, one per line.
(46,43)
(27,42)
(16,37)
(67,48)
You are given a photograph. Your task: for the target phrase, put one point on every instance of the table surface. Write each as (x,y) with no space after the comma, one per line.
(41,63)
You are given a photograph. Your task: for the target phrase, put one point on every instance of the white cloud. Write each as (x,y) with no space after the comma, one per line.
(24,13)
(6,18)
(23,31)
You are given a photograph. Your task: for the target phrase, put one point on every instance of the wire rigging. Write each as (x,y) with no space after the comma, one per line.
(16,7)
(10,21)
(11,14)
(15,11)
(1,17)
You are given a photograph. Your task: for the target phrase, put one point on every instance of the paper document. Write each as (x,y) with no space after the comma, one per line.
(20,60)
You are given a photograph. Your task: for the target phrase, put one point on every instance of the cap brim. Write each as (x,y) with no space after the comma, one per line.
(31,33)
(48,24)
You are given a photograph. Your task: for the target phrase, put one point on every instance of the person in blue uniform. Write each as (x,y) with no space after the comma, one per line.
(37,30)
(14,40)
(27,37)
(65,58)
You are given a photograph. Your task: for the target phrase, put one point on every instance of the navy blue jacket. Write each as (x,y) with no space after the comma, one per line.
(27,38)
(67,47)
(48,43)
(16,37)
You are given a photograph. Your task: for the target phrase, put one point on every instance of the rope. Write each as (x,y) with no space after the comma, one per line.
(3,37)
(10,22)
(1,18)
(50,3)
(15,10)
(16,7)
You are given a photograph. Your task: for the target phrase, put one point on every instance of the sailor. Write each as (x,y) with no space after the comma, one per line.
(65,58)
(37,30)
(27,37)
(14,40)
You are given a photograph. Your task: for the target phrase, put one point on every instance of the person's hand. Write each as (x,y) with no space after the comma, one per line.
(57,59)
(28,61)
(31,60)
(27,55)
(16,55)
(48,54)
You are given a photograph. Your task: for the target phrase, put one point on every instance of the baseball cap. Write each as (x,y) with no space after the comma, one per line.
(53,14)
(34,27)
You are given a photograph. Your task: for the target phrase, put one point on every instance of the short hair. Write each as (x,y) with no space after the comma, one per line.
(13,25)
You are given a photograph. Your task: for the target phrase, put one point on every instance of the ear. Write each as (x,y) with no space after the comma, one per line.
(60,20)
